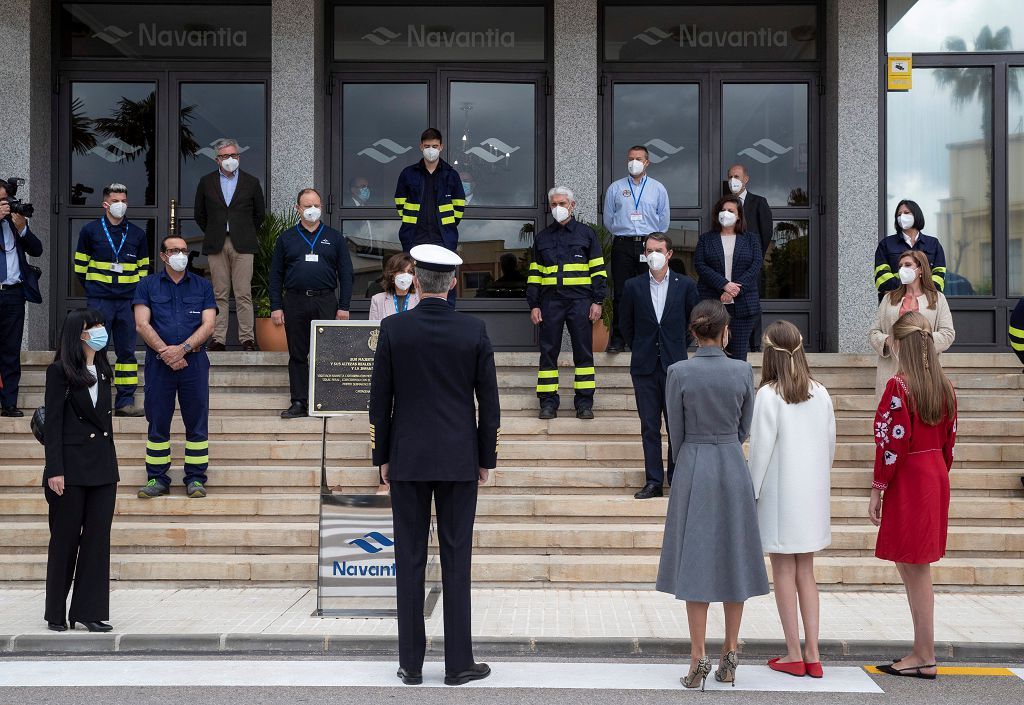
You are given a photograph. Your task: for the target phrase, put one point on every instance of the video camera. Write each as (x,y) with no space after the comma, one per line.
(18,207)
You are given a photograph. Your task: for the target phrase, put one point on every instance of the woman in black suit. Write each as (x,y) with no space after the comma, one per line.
(728,262)
(80,477)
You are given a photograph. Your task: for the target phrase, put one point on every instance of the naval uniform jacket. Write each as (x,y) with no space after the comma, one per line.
(430,363)
(79,437)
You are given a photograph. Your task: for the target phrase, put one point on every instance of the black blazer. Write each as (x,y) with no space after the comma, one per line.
(709,260)
(430,363)
(79,436)
(647,338)
(28,245)
(245,214)
(758,216)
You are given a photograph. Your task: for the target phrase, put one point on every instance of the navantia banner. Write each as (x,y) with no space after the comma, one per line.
(165,31)
(438,33)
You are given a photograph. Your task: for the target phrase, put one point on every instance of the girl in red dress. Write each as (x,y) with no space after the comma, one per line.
(915,429)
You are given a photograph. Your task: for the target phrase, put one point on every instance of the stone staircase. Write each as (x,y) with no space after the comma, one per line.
(558,511)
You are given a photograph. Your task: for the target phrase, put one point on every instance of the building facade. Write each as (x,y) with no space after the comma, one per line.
(334,93)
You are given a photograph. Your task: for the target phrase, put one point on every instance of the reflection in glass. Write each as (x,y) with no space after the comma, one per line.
(664,118)
(684,234)
(945,165)
(953,25)
(786,273)
(113,136)
(495,253)
(381,127)
(491,141)
(210,111)
(1015,147)
(193,235)
(75,288)
(764,128)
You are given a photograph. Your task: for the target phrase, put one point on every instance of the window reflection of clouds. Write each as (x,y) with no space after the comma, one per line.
(1016,185)
(643,112)
(925,25)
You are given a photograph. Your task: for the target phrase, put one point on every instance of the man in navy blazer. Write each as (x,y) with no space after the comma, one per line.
(655,314)
(18,284)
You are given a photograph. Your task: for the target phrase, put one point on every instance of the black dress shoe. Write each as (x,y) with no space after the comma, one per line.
(649,490)
(410,677)
(248,346)
(12,411)
(474,673)
(614,348)
(547,413)
(215,346)
(585,413)
(94,626)
(57,626)
(296,411)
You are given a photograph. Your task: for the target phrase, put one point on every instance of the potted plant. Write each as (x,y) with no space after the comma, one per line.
(603,326)
(269,338)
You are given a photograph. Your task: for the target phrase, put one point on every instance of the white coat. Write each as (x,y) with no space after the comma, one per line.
(792,447)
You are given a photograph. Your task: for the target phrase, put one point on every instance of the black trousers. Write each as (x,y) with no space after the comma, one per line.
(299,311)
(626,264)
(739,333)
(574,314)
(456,512)
(79,551)
(755,335)
(650,405)
(12,323)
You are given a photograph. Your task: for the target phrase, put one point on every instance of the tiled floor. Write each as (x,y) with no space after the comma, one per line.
(543,613)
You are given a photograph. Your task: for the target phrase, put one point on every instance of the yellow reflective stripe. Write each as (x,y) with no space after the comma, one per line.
(150,460)
(572,267)
(534,267)
(599,273)
(547,374)
(547,387)
(458,214)
(448,220)
(939,281)
(126,279)
(95,276)
(1016,332)
(1017,346)
(585,385)
(125,381)
(445,207)
(410,206)
(883,279)
(575,281)
(584,371)
(533,280)
(197,445)
(549,281)
(158,445)
(80,269)
(408,219)
(399,200)
(126,367)
(459,201)
(81,257)
(126,266)
(938,270)
(882,268)
(597,262)
(196,459)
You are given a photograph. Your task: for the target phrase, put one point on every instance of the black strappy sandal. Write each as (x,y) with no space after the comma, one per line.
(891,670)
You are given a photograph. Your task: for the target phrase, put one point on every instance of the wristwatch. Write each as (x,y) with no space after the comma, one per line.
(186,347)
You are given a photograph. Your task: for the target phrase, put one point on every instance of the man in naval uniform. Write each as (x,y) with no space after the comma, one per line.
(430,441)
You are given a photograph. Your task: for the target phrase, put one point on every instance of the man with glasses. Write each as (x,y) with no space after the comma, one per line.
(230,208)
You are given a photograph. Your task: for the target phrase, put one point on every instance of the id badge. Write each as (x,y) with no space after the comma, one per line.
(636,217)
(643,258)
(117,268)
(312,258)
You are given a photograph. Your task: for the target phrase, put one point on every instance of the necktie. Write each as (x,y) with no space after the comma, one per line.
(3,255)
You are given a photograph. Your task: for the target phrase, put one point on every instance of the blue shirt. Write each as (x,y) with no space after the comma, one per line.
(177,309)
(227,188)
(94,257)
(649,198)
(10,253)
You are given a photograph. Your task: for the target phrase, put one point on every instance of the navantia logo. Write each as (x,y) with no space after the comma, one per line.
(381,36)
(112,34)
(380,157)
(373,542)
(114,150)
(662,146)
(210,153)
(772,150)
(490,155)
(652,36)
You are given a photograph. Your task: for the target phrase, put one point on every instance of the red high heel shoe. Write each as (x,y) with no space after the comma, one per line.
(796,668)
(814,669)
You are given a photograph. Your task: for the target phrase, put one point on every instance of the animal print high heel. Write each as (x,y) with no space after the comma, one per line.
(699,673)
(726,671)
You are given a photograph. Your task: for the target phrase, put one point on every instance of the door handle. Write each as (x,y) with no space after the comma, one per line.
(173,226)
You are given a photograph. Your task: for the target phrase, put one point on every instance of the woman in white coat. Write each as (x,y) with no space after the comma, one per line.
(792,446)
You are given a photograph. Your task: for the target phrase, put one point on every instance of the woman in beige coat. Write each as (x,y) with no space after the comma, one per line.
(916,292)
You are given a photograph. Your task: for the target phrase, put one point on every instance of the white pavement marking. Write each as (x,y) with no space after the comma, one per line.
(587,676)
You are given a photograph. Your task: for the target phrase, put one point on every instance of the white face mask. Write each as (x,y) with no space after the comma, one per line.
(311,214)
(907,274)
(635,167)
(906,220)
(656,261)
(560,213)
(735,185)
(727,219)
(178,262)
(229,165)
(403,281)
(118,209)
(431,154)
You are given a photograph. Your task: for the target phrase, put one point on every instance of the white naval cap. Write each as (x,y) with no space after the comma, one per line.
(435,258)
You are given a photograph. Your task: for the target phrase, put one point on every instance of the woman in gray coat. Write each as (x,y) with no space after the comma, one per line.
(712,549)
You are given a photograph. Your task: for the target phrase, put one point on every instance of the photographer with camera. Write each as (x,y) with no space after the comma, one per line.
(19,282)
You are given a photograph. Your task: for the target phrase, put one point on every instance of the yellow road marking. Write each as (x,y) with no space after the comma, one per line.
(961,671)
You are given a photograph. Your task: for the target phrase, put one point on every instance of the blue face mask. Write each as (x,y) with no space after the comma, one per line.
(364,193)
(97,338)
(467,186)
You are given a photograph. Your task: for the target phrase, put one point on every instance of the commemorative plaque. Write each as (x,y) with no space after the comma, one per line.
(340,366)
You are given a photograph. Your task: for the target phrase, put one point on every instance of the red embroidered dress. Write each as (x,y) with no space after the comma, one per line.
(912,462)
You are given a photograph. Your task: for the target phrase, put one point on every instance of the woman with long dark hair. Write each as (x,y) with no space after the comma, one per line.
(80,478)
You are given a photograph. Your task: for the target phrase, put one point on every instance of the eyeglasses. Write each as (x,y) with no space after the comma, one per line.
(221,157)
(177,251)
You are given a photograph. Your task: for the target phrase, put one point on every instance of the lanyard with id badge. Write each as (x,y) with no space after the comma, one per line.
(116,267)
(635,216)
(312,244)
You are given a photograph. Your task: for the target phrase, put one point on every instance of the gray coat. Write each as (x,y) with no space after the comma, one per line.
(712,549)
